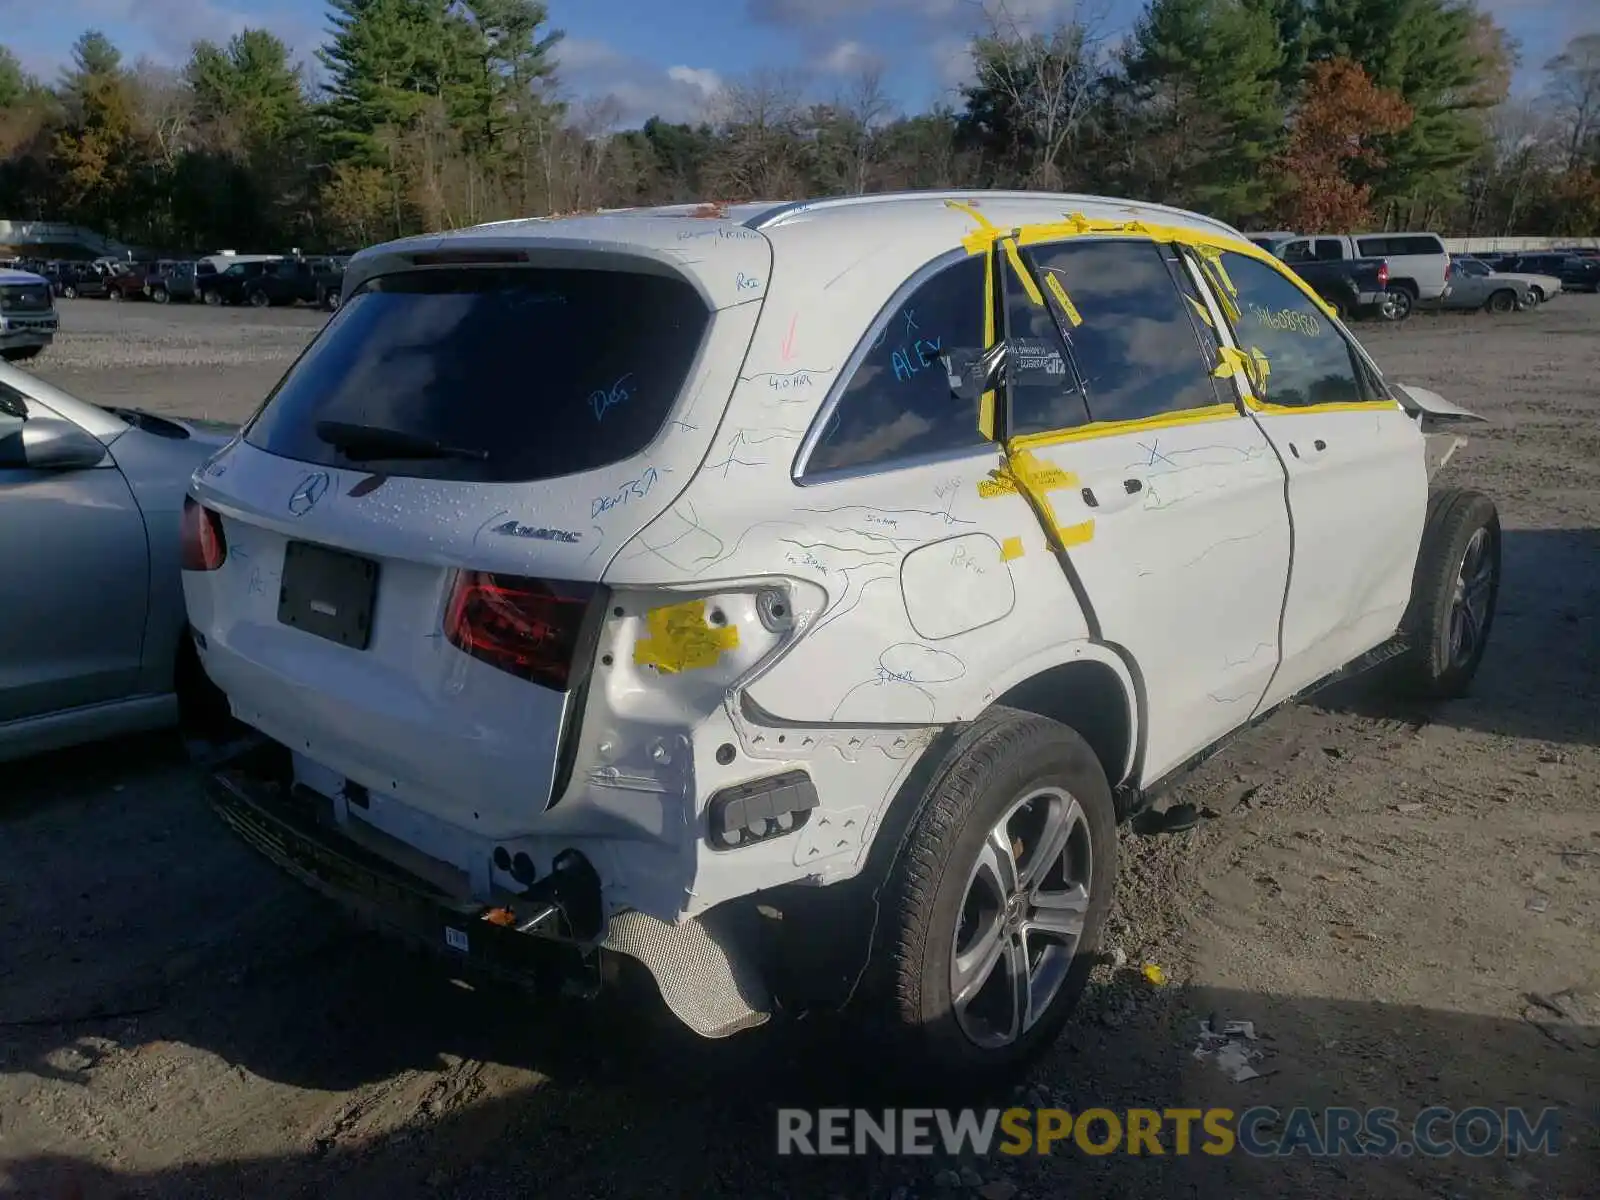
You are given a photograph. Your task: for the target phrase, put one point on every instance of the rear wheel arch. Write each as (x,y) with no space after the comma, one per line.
(1092,697)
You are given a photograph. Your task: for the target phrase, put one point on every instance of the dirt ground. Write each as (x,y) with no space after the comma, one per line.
(1406,903)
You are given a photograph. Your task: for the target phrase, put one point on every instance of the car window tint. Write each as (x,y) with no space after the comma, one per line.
(898,403)
(1043,391)
(1308,359)
(1297,252)
(1329,250)
(542,371)
(1136,351)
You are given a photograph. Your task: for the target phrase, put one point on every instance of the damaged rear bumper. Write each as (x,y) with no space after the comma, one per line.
(705,968)
(296,831)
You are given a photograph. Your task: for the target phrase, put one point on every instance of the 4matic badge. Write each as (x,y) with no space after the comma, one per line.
(540,533)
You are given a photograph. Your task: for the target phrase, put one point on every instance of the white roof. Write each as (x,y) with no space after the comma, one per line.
(831,234)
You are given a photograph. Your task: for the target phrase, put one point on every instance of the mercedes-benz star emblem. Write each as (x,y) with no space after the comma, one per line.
(304,498)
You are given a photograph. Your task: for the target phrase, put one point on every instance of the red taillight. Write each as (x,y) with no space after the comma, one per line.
(1448,267)
(204,547)
(527,627)
(1383,275)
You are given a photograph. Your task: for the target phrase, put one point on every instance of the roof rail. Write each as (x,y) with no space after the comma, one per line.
(776,215)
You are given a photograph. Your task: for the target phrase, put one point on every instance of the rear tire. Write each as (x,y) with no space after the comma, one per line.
(1009,865)
(1454,591)
(213,298)
(1503,301)
(259,299)
(159,295)
(1398,306)
(69,292)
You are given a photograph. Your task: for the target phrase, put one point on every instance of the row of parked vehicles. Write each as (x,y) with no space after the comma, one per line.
(1391,275)
(260,280)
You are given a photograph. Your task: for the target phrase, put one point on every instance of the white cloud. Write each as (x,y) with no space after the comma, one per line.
(598,72)
(703,79)
(166,29)
(966,13)
(952,62)
(586,54)
(848,58)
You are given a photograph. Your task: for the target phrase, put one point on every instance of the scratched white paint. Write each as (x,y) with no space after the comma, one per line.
(956,585)
(884,636)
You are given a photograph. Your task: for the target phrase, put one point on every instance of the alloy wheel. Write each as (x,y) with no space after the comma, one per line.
(1469,607)
(1022,918)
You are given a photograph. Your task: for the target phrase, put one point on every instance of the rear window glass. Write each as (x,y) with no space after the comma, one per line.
(524,373)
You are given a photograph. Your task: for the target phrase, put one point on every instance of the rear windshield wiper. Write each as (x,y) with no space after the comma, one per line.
(366,442)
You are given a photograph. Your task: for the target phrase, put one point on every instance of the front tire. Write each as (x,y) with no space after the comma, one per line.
(20,353)
(1454,591)
(259,300)
(211,297)
(996,900)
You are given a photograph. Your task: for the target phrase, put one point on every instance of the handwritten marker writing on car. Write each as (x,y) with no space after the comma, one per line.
(795,645)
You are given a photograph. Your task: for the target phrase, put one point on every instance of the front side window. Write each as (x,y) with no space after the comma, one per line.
(1137,350)
(1308,359)
(898,403)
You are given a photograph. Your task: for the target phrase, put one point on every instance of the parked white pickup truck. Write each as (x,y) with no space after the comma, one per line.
(1419,265)
(793,597)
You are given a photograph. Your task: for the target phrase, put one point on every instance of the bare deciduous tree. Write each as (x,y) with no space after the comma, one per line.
(1573,90)
(1044,75)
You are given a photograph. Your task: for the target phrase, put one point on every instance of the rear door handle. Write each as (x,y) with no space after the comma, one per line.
(1113,497)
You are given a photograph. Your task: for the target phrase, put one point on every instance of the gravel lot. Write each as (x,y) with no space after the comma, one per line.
(1402,901)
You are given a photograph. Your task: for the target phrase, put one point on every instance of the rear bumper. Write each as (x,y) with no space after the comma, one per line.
(296,830)
(704,970)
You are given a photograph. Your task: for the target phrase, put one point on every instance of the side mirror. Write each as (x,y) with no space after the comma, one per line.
(972,372)
(51,444)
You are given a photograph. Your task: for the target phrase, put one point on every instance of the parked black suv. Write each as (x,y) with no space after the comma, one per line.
(1576,274)
(233,284)
(72,280)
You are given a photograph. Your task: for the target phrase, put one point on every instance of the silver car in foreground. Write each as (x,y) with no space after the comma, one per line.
(93,637)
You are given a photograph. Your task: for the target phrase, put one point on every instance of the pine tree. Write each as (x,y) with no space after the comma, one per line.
(1433,54)
(1201,81)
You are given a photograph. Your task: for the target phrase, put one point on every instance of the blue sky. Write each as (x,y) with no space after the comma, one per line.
(670,56)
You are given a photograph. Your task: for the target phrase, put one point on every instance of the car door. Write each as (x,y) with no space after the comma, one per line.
(1166,500)
(1469,285)
(74,588)
(1358,485)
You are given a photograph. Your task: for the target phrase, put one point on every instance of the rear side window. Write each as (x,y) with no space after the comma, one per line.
(1137,350)
(1399,244)
(531,373)
(898,404)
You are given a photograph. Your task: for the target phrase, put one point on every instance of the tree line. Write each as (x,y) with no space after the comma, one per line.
(1300,114)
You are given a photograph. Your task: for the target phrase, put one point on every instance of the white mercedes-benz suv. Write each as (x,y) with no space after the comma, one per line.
(794,597)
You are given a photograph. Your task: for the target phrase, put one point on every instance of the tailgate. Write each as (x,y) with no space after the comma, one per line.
(369,615)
